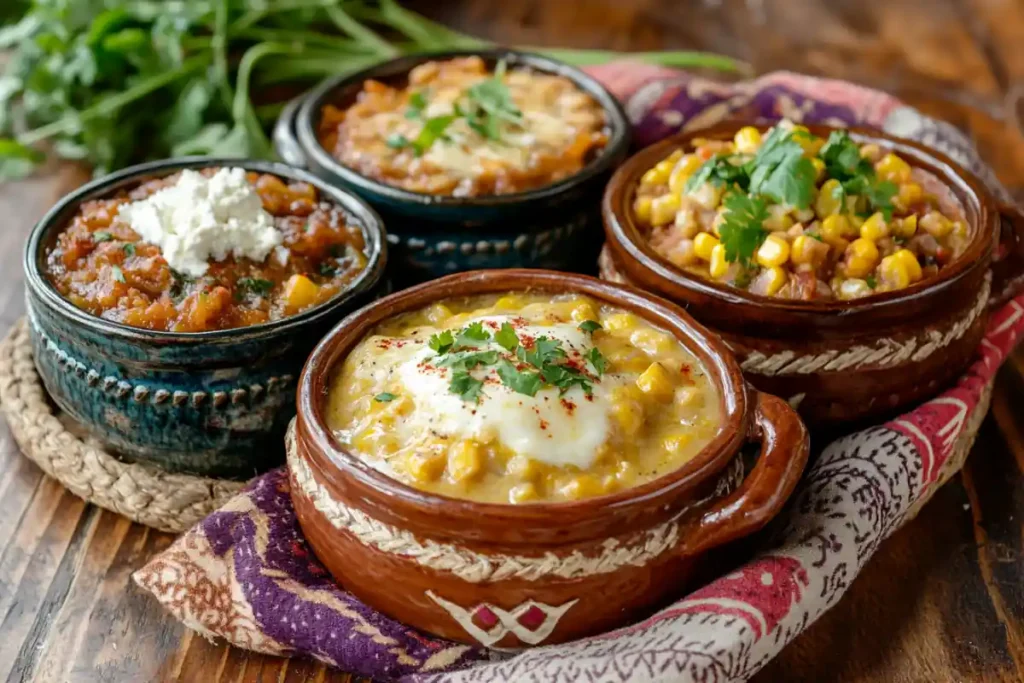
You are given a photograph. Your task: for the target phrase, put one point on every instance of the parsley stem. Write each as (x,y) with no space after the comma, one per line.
(110,105)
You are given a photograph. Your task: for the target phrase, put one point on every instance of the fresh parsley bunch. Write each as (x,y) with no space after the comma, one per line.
(116,82)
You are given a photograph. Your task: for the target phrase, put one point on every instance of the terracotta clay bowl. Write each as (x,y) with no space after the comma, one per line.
(556,226)
(514,576)
(839,361)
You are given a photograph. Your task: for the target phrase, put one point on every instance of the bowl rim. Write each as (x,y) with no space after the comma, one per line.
(332,460)
(312,103)
(371,224)
(623,233)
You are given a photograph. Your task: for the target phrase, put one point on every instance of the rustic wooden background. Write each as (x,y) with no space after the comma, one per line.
(942,601)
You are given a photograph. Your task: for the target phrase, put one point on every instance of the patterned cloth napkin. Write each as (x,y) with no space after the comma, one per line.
(246,574)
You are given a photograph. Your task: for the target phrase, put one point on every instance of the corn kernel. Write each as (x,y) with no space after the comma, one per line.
(778,219)
(853,289)
(642,209)
(300,291)
(656,383)
(651,341)
(871,152)
(425,466)
(522,467)
(819,169)
(834,228)
(707,195)
(676,442)
(774,279)
(828,201)
(618,322)
(663,209)
(581,486)
(465,460)
(439,313)
(690,397)
(657,174)
(894,273)
(935,224)
(905,227)
(864,249)
(628,413)
(685,168)
(774,251)
(960,229)
(804,250)
(523,493)
(704,244)
(862,258)
(874,228)
(892,168)
(583,311)
(717,265)
(909,193)
(910,261)
(747,140)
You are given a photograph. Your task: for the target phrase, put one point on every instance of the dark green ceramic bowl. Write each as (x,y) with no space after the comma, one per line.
(211,403)
(557,226)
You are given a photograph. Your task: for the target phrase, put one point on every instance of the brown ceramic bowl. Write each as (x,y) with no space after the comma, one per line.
(840,361)
(512,576)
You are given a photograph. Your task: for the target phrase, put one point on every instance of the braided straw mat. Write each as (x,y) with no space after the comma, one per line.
(145,494)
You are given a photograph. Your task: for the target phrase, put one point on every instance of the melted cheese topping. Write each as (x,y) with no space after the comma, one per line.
(561,127)
(651,410)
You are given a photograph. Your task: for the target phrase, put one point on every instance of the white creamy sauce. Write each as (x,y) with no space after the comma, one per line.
(541,427)
(199,218)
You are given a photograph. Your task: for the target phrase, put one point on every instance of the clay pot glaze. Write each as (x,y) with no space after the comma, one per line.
(839,361)
(556,226)
(515,576)
(211,403)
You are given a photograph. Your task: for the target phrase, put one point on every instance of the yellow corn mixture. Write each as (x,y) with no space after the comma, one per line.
(517,130)
(846,243)
(525,397)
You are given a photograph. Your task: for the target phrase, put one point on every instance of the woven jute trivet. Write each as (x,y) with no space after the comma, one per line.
(145,494)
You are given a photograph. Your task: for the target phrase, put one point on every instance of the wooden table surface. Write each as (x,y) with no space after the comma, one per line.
(942,601)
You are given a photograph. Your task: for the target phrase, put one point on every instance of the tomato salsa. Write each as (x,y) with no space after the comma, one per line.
(101,265)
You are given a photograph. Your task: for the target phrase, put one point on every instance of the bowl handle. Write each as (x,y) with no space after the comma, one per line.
(1008,262)
(784,448)
(286,143)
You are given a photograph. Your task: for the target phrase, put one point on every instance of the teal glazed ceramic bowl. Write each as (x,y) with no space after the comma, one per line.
(557,226)
(212,403)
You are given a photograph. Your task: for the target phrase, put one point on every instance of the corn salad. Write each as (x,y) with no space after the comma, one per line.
(792,215)
(522,398)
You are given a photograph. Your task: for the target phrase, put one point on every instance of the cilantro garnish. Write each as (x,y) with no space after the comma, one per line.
(781,171)
(118,273)
(255,285)
(417,103)
(544,351)
(441,342)
(521,381)
(396,141)
(472,334)
(432,131)
(855,174)
(596,360)
(384,397)
(466,386)
(741,230)
(467,360)
(872,282)
(506,337)
(589,326)
(101,236)
(128,248)
(720,170)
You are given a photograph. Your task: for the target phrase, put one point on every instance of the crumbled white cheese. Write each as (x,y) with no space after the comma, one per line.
(199,218)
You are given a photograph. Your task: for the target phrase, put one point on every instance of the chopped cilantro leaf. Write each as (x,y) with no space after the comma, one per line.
(842,158)
(494,97)
(781,171)
(719,170)
(255,285)
(101,236)
(394,141)
(118,273)
(384,397)
(432,131)
(544,351)
(441,342)
(880,196)
(872,282)
(589,326)
(474,332)
(466,386)
(741,229)
(128,248)
(521,381)
(417,103)
(467,360)
(596,360)
(506,337)
(565,378)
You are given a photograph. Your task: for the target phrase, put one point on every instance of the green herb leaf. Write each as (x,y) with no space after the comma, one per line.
(506,337)
(596,360)
(521,381)
(432,131)
(118,273)
(472,333)
(880,196)
(101,236)
(467,360)
(129,248)
(466,386)
(781,171)
(565,378)
(543,352)
(741,230)
(589,326)
(720,170)
(257,286)
(872,282)
(441,342)
(397,141)
(384,397)
(417,103)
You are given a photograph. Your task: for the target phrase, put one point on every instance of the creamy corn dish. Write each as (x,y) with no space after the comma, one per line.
(522,398)
(792,215)
(457,128)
